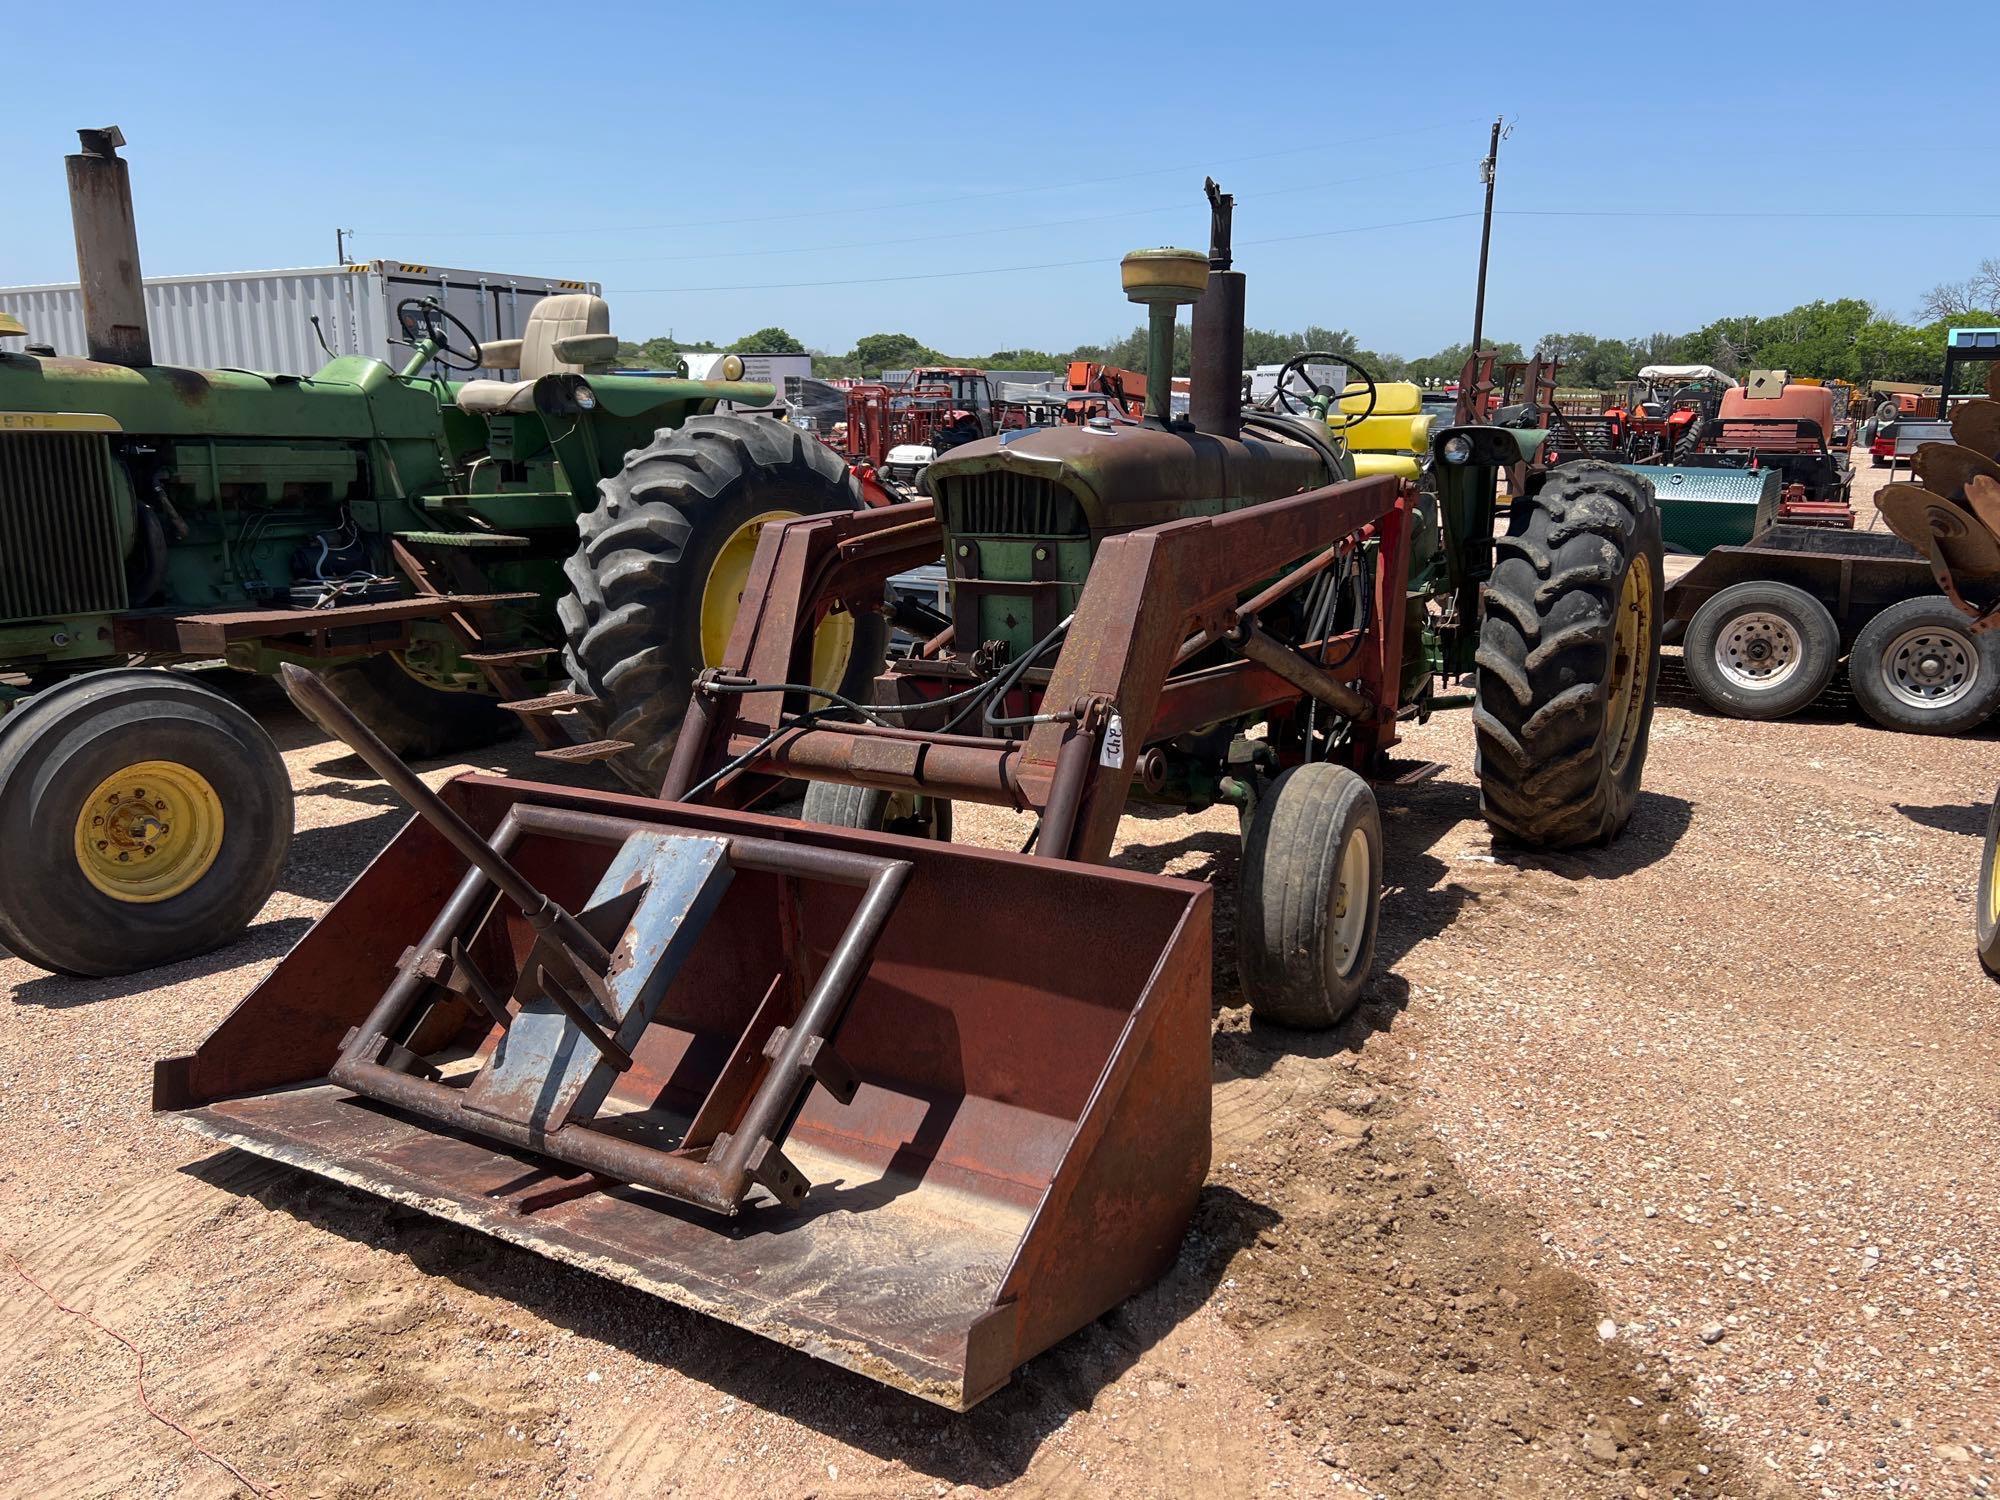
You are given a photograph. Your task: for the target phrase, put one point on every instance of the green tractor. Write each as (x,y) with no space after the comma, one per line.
(1217,608)
(412,537)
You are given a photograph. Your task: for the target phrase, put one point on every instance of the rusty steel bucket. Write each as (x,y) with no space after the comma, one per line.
(993,1131)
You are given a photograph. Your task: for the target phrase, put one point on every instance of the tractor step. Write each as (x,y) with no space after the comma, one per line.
(508,658)
(477,541)
(550,703)
(583,755)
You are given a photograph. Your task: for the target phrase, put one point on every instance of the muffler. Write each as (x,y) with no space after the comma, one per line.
(917,1109)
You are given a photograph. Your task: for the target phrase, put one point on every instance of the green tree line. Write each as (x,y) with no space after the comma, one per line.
(1841,340)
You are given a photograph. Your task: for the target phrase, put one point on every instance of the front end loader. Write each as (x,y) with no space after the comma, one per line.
(915,1108)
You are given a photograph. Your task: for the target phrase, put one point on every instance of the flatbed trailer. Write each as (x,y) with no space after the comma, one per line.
(1763,627)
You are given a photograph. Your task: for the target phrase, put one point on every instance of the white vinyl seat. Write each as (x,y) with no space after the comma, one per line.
(570,334)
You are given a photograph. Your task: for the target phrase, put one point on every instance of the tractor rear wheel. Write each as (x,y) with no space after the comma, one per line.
(415,720)
(1569,658)
(1986,912)
(1761,650)
(909,813)
(656,580)
(146,820)
(1309,896)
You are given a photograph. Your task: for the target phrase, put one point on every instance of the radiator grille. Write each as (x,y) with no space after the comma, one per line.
(1004,504)
(59,552)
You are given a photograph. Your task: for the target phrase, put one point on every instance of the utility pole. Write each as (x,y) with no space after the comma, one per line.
(1487,171)
(340,240)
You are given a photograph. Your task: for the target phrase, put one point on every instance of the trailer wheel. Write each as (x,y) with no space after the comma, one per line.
(145,818)
(912,814)
(1569,658)
(415,720)
(1918,666)
(656,580)
(1310,896)
(1761,650)
(1986,915)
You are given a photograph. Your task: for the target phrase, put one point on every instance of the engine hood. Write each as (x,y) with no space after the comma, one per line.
(1126,476)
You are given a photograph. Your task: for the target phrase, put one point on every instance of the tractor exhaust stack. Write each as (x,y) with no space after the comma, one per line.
(1215,402)
(116,329)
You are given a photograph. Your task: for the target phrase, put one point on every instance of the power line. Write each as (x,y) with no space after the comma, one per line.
(1320,147)
(1181,206)
(1734,213)
(1046,265)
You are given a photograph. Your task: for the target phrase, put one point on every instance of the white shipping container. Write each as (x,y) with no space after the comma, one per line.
(771,369)
(262,320)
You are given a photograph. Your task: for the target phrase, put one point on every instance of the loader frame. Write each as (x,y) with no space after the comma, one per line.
(1127,679)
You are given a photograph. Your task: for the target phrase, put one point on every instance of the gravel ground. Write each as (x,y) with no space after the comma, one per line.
(1661,1169)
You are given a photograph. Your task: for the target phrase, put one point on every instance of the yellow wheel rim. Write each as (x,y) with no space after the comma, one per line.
(721,595)
(149,832)
(1631,661)
(1992,884)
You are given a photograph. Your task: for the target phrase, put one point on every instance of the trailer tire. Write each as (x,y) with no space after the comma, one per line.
(1918,666)
(1986,910)
(1761,650)
(1305,934)
(650,598)
(417,721)
(174,776)
(912,814)
(1568,658)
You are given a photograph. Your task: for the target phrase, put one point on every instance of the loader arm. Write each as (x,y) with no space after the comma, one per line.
(1151,594)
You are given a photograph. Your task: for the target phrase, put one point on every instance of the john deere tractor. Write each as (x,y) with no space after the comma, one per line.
(402,532)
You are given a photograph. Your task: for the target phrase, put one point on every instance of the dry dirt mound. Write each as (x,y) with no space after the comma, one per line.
(1419,1337)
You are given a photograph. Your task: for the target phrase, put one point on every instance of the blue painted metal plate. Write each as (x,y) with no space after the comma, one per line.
(544,1072)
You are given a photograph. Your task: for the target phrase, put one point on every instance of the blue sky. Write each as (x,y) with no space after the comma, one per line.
(704,160)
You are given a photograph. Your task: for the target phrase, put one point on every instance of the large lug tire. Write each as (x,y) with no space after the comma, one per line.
(1918,666)
(1569,659)
(912,814)
(150,766)
(1986,913)
(412,718)
(1761,650)
(1310,896)
(655,580)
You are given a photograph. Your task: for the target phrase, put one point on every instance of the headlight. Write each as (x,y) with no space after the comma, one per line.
(732,367)
(586,398)
(1458,450)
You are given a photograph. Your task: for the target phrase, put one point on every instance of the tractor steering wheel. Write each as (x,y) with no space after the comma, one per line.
(425,317)
(1299,362)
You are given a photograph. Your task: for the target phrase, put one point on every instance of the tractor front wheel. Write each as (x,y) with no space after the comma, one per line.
(909,813)
(1569,658)
(1309,896)
(662,565)
(146,820)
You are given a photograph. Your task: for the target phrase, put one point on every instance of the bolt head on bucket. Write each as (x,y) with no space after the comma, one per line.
(1166,275)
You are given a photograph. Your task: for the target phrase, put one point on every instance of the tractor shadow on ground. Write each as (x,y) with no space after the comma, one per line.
(264,940)
(1946,818)
(1421,894)
(992,1445)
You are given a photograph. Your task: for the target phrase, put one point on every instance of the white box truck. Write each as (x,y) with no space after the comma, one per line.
(263,320)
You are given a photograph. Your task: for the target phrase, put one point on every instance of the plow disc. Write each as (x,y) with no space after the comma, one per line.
(815,1083)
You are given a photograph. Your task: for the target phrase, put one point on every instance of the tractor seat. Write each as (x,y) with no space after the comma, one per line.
(1395,437)
(570,334)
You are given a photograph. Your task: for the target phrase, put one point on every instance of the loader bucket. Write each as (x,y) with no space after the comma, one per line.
(1022,1047)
